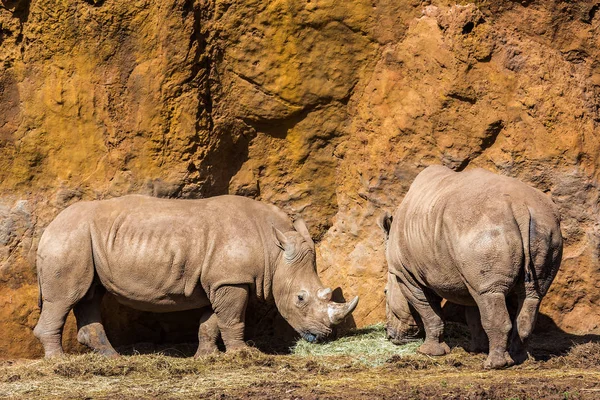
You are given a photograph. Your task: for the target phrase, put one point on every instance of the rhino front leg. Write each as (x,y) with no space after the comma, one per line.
(90,331)
(208,333)
(430,311)
(496,323)
(230,308)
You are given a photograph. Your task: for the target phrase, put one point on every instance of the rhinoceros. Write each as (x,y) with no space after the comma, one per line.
(164,255)
(474,238)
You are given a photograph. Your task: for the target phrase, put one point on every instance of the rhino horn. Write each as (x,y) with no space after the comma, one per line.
(324,294)
(338,311)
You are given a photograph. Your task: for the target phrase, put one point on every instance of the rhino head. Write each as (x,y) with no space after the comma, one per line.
(298,292)
(403,322)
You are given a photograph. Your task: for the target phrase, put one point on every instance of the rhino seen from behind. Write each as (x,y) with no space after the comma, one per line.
(166,255)
(473,238)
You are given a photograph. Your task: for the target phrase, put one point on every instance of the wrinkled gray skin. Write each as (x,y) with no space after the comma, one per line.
(166,255)
(473,238)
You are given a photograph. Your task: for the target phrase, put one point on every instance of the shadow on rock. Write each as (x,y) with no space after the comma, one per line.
(549,341)
(349,322)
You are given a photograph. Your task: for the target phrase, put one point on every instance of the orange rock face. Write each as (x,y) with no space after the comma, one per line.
(325,109)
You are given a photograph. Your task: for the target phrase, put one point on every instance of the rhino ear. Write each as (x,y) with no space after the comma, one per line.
(302,229)
(280,240)
(385,223)
(284,243)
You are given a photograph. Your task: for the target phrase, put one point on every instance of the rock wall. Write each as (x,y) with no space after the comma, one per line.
(325,109)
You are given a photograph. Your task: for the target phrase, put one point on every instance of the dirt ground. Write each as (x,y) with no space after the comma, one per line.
(562,366)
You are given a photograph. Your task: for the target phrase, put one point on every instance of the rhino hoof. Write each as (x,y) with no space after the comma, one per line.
(108,353)
(206,351)
(434,349)
(238,347)
(55,355)
(518,353)
(498,361)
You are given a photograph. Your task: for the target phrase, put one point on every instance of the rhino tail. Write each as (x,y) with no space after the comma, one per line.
(40,302)
(527,228)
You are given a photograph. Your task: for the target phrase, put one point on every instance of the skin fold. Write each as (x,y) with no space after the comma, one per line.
(165,255)
(475,239)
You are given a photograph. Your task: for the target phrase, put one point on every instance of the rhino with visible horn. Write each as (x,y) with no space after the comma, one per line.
(475,239)
(166,255)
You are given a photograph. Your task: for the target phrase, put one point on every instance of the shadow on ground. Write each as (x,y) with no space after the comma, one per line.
(175,334)
(547,341)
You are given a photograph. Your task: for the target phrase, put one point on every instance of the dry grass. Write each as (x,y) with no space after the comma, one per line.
(361,365)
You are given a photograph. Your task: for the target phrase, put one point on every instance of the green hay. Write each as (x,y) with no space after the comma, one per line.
(367,346)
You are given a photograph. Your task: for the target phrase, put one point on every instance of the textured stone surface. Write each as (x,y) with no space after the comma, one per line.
(325,109)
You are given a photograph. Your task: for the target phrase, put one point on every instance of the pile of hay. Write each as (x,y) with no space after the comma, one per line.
(368,346)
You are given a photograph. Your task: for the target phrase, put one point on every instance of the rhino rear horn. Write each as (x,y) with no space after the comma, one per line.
(324,294)
(338,311)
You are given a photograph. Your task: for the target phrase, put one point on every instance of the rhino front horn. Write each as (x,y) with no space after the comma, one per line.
(338,311)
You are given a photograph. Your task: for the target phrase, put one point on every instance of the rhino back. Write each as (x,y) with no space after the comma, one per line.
(162,251)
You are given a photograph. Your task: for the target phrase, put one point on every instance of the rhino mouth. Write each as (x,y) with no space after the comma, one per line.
(396,337)
(312,337)
(403,340)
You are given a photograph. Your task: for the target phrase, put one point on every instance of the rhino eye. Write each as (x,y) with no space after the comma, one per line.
(302,298)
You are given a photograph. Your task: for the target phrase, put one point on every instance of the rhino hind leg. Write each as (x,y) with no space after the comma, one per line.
(479,341)
(90,331)
(430,311)
(208,334)
(50,326)
(496,323)
(546,255)
(230,304)
(523,327)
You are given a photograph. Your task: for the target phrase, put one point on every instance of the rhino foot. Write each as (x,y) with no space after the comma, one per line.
(204,351)
(230,348)
(519,356)
(497,360)
(93,336)
(52,346)
(108,353)
(434,348)
(55,354)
